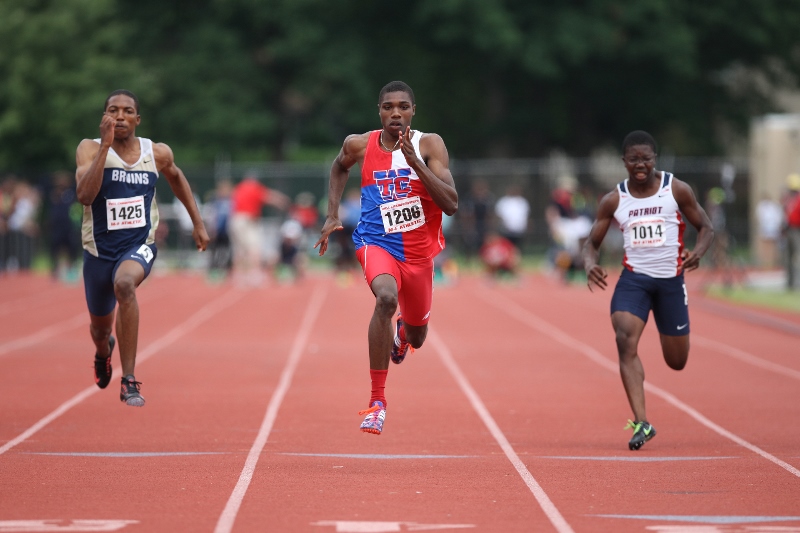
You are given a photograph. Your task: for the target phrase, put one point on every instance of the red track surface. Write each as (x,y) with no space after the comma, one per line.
(508,419)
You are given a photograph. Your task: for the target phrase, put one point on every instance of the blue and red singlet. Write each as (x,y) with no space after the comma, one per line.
(397,212)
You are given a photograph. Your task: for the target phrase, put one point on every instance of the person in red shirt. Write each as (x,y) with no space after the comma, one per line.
(499,256)
(247,201)
(792,229)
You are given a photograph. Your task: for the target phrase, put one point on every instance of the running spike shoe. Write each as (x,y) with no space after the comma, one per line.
(130,391)
(642,432)
(102,366)
(376,414)
(399,348)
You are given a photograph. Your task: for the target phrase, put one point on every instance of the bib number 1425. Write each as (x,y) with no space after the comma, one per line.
(124,213)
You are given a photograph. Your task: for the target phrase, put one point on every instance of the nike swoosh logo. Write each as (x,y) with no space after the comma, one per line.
(683,326)
(648,430)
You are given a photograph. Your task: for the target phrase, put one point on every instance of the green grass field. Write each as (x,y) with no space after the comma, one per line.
(772,299)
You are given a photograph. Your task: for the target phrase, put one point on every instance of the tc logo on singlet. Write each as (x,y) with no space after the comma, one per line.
(393,184)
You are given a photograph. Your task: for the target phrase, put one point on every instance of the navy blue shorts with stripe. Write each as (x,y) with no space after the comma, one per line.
(98,276)
(667,297)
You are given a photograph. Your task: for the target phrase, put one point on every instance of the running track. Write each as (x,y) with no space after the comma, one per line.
(508,419)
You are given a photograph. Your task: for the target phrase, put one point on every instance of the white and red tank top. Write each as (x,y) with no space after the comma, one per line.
(397,212)
(653,230)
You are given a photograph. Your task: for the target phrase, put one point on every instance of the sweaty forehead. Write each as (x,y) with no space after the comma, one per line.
(640,149)
(121,100)
(396,97)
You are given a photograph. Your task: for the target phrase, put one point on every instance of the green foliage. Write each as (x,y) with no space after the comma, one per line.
(276,79)
(57,62)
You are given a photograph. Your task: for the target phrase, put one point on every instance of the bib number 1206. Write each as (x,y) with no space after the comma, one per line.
(402,215)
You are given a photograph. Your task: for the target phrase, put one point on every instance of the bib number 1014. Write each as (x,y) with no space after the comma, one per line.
(647,232)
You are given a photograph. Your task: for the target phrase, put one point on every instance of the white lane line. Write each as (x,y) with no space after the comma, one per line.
(206,312)
(228,516)
(28,301)
(353,526)
(31,526)
(45,333)
(544,501)
(526,317)
(57,329)
(745,357)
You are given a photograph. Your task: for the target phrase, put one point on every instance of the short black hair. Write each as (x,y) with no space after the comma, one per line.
(126,93)
(394,87)
(639,137)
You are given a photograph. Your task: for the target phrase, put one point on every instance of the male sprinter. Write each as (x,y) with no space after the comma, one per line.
(650,207)
(116,183)
(406,184)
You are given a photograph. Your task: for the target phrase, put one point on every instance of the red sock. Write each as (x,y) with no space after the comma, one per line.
(378,385)
(401,334)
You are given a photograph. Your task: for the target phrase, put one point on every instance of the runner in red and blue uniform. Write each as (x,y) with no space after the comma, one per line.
(406,185)
(116,183)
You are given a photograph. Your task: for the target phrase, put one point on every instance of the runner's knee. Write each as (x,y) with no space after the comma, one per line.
(626,344)
(386,302)
(676,351)
(416,335)
(124,288)
(99,333)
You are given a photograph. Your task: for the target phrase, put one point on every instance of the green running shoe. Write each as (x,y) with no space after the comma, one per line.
(642,432)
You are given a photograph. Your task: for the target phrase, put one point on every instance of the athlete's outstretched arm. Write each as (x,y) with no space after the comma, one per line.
(694,212)
(165,162)
(90,160)
(596,274)
(352,152)
(434,172)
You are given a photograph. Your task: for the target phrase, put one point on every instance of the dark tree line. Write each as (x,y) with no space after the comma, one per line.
(288,79)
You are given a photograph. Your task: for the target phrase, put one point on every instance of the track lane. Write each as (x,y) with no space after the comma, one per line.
(435,463)
(559,410)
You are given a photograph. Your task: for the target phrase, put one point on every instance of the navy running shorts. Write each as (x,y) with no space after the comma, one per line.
(667,297)
(98,276)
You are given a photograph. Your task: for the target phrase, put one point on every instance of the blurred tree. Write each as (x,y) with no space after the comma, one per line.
(495,77)
(58,62)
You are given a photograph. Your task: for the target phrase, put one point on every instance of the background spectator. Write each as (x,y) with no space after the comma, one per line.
(513,211)
(769,216)
(248,199)
(792,207)
(64,214)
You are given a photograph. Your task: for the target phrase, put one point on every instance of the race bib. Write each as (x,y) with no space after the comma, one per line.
(402,215)
(145,252)
(122,213)
(647,233)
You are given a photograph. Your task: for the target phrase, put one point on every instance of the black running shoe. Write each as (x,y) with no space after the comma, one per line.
(102,366)
(130,391)
(642,432)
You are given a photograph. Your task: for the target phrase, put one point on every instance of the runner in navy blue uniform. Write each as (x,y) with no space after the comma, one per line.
(650,207)
(116,183)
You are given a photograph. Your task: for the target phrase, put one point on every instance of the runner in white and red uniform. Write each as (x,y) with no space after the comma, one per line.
(406,185)
(650,208)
